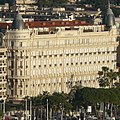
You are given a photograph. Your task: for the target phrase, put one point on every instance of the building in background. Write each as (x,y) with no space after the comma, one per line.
(72,1)
(25,5)
(3,73)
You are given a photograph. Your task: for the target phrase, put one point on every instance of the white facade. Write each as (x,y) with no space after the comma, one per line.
(47,62)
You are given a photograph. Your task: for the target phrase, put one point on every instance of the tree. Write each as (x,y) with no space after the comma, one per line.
(54,102)
(51,3)
(107,77)
(95,96)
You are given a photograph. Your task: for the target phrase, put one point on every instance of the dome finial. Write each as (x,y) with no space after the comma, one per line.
(18,22)
(108,4)
(109,18)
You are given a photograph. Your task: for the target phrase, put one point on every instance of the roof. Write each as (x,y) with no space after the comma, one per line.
(37,24)
(109,17)
(18,22)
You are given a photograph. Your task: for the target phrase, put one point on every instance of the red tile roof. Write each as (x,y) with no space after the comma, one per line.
(37,24)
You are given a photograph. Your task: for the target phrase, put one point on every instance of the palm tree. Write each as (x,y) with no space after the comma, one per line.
(107,77)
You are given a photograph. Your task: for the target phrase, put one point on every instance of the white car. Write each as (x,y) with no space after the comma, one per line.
(91,117)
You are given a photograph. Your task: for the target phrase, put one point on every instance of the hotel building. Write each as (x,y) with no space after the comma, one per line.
(54,56)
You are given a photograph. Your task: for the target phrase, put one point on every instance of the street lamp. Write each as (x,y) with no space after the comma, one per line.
(47,109)
(30,109)
(2,104)
(26,109)
(4,109)
(62,109)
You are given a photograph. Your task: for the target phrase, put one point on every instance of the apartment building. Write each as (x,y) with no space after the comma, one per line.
(3,73)
(25,5)
(26,1)
(72,1)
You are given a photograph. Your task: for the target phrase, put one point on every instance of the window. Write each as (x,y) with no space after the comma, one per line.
(20,72)
(44,65)
(20,92)
(99,52)
(113,51)
(1,53)
(21,54)
(103,52)
(20,44)
(12,92)
(20,83)
(76,63)
(112,60)
(12,43)
(45,55)
(39,56)
(20,63)
(12,73)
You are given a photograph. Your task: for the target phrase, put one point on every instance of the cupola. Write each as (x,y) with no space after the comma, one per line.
(109,18)
(18,22)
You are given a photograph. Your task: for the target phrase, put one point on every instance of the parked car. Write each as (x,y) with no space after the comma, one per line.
(91,117)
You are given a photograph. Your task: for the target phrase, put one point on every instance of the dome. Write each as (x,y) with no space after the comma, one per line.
(109,18)
(18,22)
